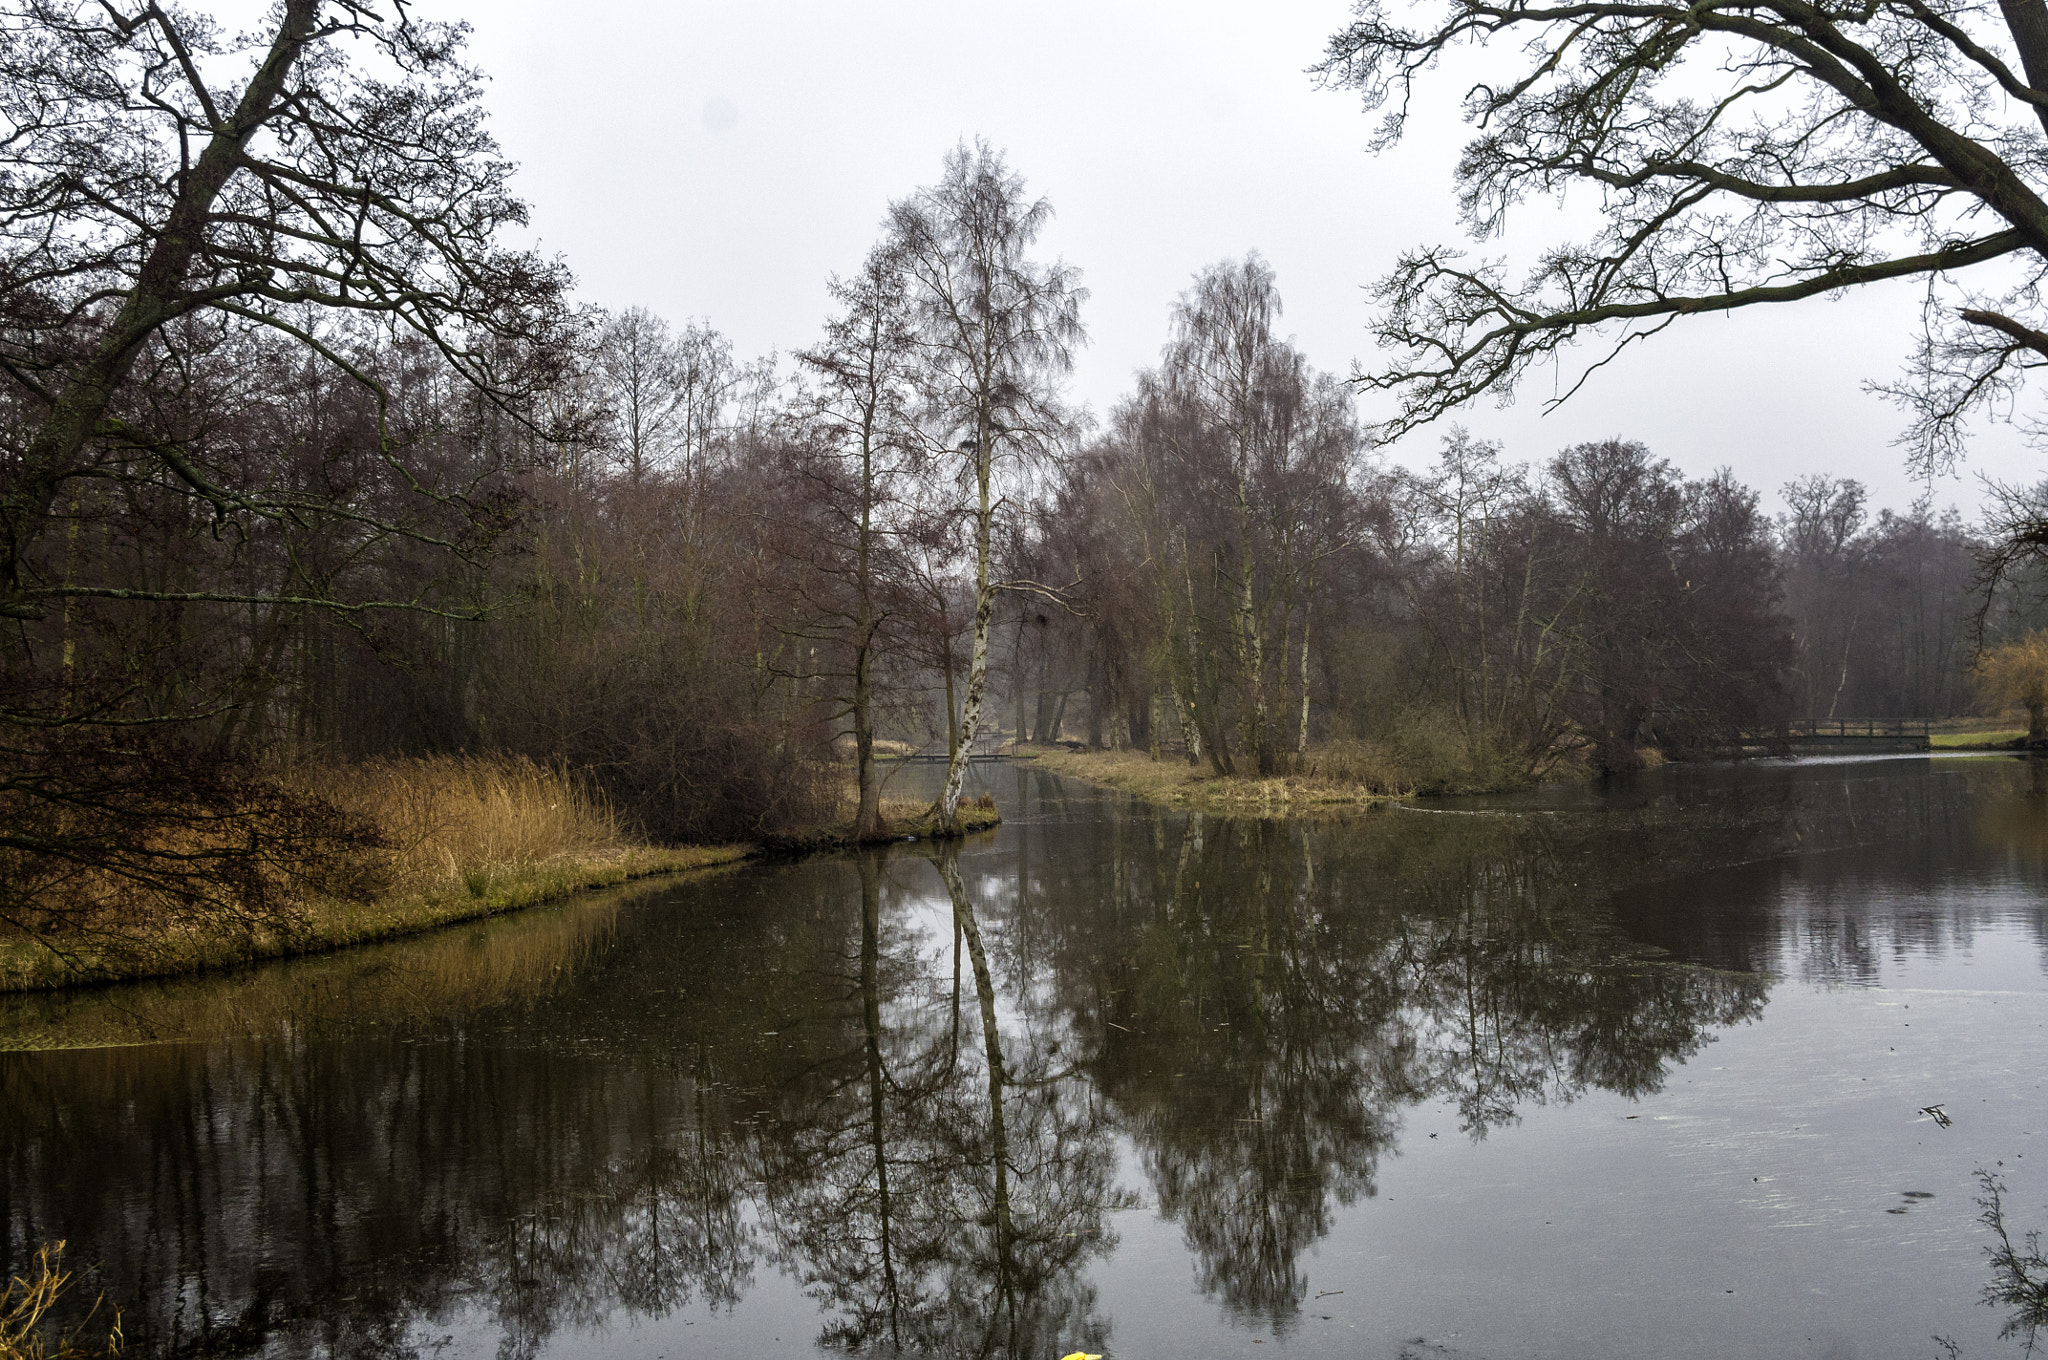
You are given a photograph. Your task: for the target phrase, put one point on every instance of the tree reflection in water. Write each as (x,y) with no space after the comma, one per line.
(1264,1017)
(941,1201)
(901,1080)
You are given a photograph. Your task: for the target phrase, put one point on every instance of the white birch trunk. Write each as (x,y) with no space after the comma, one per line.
(1301,742)
(984,614)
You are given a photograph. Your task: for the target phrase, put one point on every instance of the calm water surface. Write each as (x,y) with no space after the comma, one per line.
(1635,1070)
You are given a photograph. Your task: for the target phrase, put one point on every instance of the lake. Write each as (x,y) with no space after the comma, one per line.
(1645,1068)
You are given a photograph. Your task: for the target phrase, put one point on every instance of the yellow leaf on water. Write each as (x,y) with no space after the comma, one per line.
(1080,1355)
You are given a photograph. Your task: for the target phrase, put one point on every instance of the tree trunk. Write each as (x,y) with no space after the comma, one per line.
(1219,753)
(1258,730)
(2027,21)
(1096,700)
(1190,730)
(1618,723)
(991,1037)
(984,612)
(952,710)
(871,1016)
(52,454)
(1301,741)
(1017,682)
(867,820)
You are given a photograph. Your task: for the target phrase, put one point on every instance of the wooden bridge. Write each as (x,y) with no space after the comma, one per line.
(1851,736)
(987,746)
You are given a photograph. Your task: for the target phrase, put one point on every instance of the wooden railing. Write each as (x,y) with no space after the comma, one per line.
(1858,727)
(1817,731)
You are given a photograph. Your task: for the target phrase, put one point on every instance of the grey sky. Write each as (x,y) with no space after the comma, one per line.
(719,160)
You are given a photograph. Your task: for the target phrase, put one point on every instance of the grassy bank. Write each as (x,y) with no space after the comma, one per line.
(330,924)
(412,980)
(1183,785)
(463,838)
(2001,740)
(327,924)
(435,974)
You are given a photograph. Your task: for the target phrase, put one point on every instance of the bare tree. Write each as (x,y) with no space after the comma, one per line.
(644,372)
(867,443)
(139,195)
(1743,156)
(995,330)
(1226,364)
(1236,458)
(164,232)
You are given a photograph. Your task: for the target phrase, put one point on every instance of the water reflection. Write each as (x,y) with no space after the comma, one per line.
(922,1084)
(947,1197)
(1266,998)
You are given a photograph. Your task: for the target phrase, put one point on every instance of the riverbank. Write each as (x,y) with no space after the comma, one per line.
(2004,740)
(1180,784)
(462,838)
(326,925)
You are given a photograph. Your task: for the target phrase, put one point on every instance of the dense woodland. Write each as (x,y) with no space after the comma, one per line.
(300,464)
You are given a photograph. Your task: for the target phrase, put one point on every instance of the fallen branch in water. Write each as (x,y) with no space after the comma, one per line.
(2019,1273)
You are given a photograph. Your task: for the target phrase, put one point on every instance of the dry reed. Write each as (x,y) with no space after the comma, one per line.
(471,821)
(464,837)
(25,1303)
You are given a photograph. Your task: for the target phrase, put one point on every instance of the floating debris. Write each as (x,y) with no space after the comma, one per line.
(1938,1114)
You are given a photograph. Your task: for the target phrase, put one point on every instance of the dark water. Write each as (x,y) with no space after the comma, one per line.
(1635,1071)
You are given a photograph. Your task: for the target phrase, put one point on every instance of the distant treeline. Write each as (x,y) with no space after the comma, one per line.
(1221,571)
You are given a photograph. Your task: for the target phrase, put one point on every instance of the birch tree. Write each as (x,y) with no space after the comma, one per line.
(995,333)
(1238,457)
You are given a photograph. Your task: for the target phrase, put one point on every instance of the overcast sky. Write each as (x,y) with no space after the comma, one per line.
(719,160)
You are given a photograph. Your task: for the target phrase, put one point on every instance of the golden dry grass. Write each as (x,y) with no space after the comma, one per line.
(25,1300)
(1182,784)
(477,835)
(470,821)
(469,836)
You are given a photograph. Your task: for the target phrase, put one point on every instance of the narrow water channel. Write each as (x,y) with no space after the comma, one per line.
(1642,1069)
